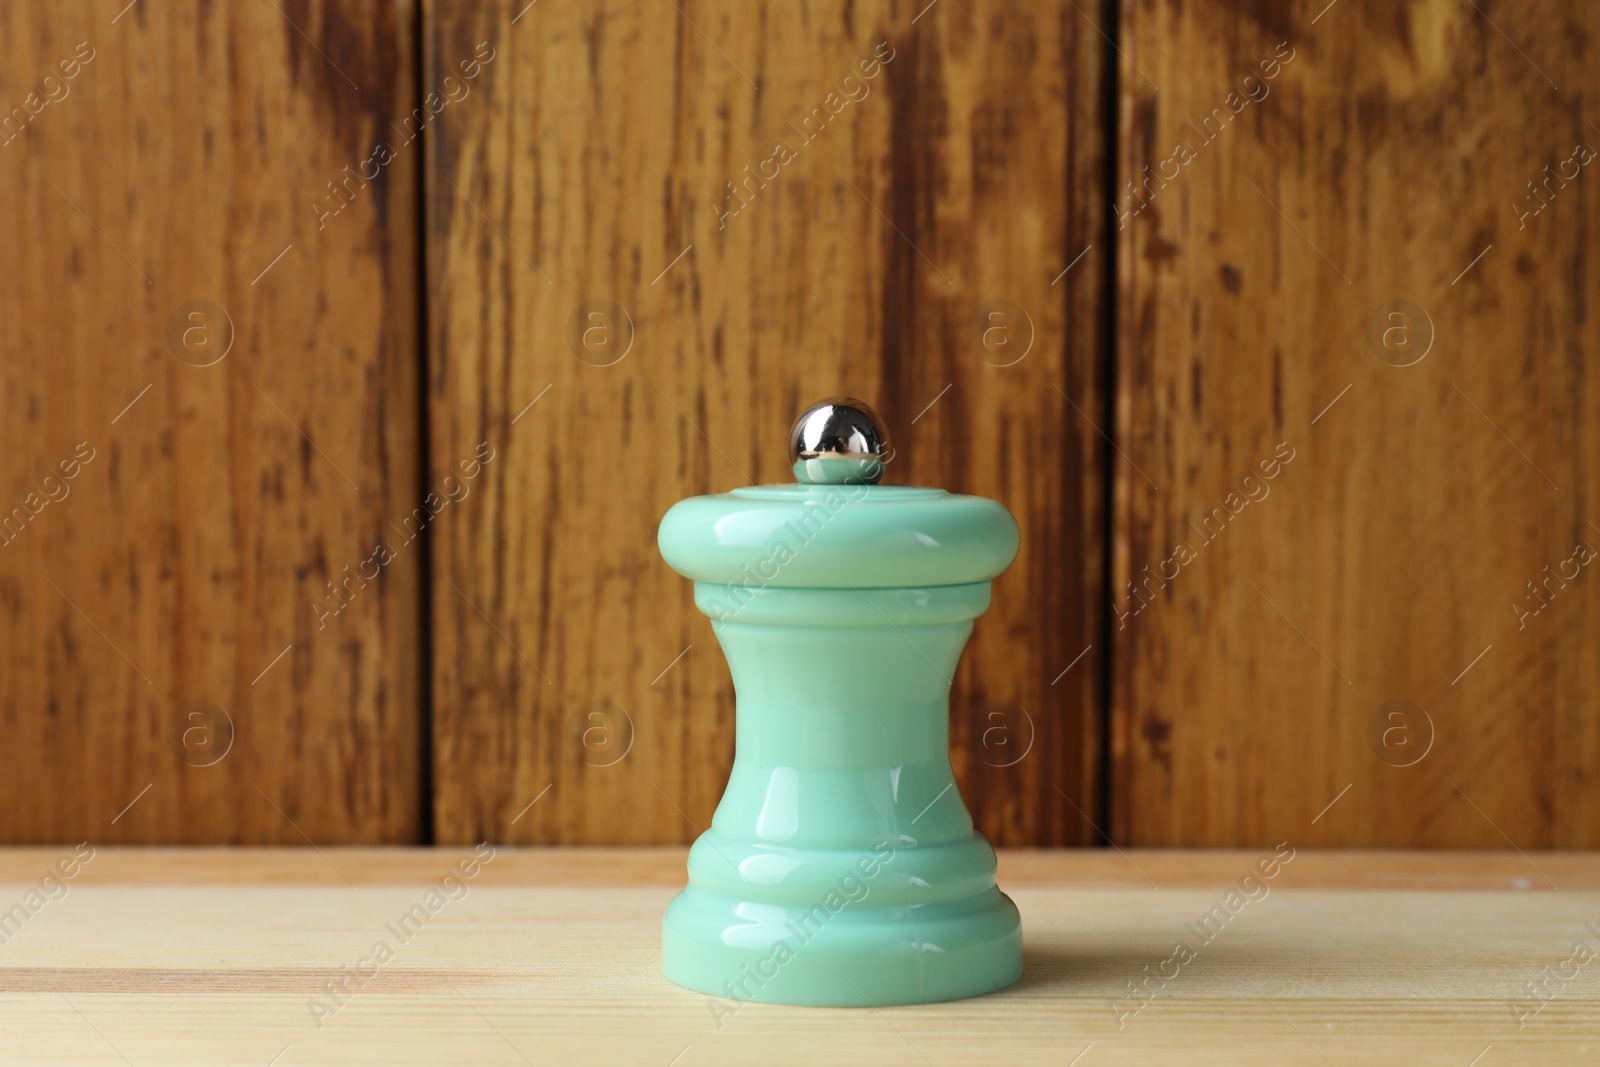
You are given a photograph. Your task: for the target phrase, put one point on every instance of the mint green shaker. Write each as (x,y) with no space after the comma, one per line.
(841,867)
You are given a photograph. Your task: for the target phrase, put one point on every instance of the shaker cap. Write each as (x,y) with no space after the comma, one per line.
(836,528)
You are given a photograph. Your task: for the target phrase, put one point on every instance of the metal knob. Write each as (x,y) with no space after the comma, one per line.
(839,440)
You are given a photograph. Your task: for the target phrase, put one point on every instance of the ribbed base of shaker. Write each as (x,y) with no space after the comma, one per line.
(858,956)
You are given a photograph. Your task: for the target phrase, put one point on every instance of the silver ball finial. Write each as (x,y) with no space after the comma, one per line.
(838,440)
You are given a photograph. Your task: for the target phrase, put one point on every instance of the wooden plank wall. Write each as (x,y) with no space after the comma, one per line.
(229,376)
(1346,306)
(1322,165)
(578,697)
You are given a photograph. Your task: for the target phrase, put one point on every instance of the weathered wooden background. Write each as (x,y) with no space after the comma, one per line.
(178,154)
(390,331)
(595,167)
(1385,162)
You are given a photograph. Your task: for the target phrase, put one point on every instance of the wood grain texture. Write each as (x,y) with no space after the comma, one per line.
(179,155)
(595,866)
(1390,159)
(595,164)
(183,970)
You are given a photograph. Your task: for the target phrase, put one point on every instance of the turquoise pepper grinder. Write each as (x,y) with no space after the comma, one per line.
(841,867)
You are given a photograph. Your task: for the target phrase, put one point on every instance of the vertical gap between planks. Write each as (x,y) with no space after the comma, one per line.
(425,782)
(1106,687)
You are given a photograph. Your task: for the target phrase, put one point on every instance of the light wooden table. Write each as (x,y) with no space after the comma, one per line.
(550,956)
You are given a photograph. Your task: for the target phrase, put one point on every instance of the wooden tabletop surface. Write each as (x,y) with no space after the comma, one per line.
(546,956)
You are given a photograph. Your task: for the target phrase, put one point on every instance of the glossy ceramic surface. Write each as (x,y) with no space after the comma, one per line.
(841,867)
(838,536)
